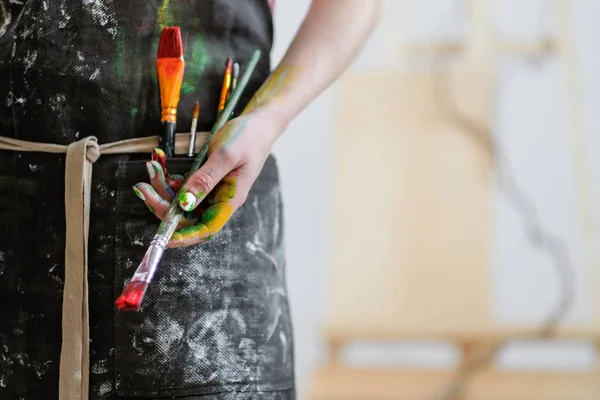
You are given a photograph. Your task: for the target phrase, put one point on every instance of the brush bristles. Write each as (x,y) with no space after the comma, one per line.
(196,110)
(132,296)
(170,45)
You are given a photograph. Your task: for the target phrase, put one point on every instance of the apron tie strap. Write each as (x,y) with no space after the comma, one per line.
(80,156)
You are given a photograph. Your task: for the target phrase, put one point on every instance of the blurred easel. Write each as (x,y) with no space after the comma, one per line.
(413,229)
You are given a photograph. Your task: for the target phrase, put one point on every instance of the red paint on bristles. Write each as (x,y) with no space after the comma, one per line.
(170,45)
(132,296)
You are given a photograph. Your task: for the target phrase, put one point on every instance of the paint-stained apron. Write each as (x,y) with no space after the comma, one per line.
(215,323)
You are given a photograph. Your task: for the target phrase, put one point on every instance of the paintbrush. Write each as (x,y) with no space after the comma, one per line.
(225,86)
(169,67)
(235,73)
(192,141)
(234,78)
(133,294)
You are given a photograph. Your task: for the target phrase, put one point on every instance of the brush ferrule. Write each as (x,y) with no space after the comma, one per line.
(169,114)
(159,240)
(147,268)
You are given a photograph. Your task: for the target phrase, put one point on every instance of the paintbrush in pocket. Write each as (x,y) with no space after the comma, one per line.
(170,67)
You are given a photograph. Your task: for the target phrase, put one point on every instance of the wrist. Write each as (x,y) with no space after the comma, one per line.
(274,117)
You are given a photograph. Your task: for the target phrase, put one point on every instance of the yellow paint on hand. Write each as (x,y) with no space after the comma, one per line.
(276,84)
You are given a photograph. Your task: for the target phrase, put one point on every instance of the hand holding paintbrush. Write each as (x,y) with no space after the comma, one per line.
(133,294)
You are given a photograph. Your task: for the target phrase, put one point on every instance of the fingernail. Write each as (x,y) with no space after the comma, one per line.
(187,201)
(150,169)
(138,193)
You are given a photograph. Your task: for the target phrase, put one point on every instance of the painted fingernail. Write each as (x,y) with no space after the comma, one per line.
(150,169)
(138,193)
(187,201)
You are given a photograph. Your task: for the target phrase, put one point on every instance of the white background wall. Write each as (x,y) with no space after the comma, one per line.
(532,125)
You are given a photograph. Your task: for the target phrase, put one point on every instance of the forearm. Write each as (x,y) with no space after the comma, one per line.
(329,38)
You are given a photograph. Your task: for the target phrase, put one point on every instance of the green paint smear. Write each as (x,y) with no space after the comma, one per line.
(187,87)
(134,111)
(138,193)
(165,15)
(211,213)
(196,62)
(119,56)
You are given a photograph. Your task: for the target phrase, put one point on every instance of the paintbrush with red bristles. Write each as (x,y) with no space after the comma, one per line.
(169,67)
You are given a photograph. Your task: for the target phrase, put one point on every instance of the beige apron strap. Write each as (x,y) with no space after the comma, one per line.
(74,356)
(146,144)
(22,145)
(74,360)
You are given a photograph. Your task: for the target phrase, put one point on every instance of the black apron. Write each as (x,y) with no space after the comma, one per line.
(215,323)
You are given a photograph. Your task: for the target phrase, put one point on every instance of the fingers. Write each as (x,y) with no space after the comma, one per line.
(202,182)
(222,202)
(157,205)
(211,222)
(158,181)
(174,181)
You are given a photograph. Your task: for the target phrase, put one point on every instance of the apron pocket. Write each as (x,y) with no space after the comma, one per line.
(215,318)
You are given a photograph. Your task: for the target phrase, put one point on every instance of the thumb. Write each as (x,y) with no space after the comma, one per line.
(202,182)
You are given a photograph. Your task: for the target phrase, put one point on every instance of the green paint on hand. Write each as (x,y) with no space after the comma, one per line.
(152,209)
(210,214)
(187,201)
(199,194)
(138,193)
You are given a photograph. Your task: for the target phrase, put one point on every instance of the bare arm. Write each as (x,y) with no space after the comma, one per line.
(329,38)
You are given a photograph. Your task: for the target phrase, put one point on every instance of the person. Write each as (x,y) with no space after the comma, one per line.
(215,323)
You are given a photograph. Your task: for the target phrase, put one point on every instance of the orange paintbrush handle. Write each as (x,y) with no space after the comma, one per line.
(226,84)
(170,78)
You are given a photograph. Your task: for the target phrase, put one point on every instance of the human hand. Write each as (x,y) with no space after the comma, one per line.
(212,194)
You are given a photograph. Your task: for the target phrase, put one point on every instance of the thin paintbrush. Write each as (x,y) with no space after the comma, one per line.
(192,142)
(132,296)
(225,86)
(234,78)
(169,67)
